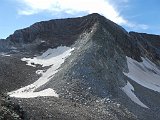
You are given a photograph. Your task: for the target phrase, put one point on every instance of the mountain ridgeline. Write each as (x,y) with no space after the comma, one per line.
(80,69)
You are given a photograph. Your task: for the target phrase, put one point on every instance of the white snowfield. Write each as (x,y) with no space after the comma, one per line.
(53,58)
(144,73)
(129,90)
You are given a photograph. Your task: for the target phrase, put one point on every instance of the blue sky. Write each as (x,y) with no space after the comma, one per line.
(133,15)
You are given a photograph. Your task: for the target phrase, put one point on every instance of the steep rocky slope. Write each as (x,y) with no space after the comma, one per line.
(82,68)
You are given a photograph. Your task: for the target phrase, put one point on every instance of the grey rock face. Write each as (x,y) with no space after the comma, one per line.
(89,83)
(148,44)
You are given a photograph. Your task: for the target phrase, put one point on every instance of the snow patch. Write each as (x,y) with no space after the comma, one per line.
(144,73)
(5,54)
(39,72)
(53,58)
(50,57)
(129,90)
(46,92)
(13,48)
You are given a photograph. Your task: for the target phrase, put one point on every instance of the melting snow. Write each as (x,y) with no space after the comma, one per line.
(128,89)
(144,73)
(50,57)
(46,92)
(39,72)
(5,54)
(53,58)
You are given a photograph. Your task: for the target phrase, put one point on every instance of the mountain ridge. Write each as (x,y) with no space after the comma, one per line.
(106,74)
(42,33)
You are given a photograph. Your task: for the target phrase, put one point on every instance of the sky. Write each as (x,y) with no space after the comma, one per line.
(134,15)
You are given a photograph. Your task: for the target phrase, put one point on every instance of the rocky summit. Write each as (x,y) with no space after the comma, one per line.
(85,68)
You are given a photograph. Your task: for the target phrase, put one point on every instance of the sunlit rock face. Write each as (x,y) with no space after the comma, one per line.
(82,68)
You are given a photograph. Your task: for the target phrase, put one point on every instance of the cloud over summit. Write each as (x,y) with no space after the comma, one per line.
(103,7)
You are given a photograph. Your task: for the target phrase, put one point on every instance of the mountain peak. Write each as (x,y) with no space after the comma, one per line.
(58,27)
(94,15)
(54,31)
